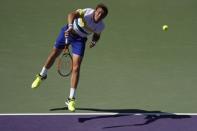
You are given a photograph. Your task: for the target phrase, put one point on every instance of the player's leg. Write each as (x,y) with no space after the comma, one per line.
(78,49)
(49,62)
(59,45)
(75,73)
(74,81)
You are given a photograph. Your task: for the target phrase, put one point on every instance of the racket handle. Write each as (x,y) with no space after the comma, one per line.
(66,40)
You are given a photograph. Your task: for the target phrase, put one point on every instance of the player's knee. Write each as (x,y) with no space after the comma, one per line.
(76,67)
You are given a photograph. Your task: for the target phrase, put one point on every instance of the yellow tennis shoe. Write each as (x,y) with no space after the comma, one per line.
(36,83)
(71,104)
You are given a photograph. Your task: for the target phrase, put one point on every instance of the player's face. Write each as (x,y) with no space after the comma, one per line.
(98,14)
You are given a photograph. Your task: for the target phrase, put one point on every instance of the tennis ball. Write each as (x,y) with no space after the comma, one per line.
(165,27)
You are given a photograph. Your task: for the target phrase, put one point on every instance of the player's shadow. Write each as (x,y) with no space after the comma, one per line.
(58,109)
(149,116)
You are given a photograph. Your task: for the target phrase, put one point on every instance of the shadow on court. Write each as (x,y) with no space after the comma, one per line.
(148,116)
(148,120)
(119,120)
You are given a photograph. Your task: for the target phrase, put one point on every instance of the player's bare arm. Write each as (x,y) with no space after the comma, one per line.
(71,16)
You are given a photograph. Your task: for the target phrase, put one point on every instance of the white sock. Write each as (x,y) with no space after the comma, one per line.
(43,72)
(72,93)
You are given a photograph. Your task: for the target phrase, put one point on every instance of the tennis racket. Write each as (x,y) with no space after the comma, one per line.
(64,64)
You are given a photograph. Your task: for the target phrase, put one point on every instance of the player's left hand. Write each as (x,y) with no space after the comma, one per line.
(92,44)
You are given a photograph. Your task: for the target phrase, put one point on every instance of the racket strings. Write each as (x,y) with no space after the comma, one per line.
(65,65)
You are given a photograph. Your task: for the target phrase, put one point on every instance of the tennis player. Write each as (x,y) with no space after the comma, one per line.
(81,23)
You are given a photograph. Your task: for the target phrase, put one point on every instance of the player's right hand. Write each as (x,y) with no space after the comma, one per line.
(67,32)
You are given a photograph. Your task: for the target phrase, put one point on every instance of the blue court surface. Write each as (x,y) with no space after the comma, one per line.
(98,122)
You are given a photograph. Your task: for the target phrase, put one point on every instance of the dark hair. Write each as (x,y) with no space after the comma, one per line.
(104,7)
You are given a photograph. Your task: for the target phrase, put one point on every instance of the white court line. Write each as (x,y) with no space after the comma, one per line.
(54,114)
(62,114)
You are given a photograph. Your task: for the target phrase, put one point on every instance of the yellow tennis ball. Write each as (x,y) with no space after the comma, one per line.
(165,27)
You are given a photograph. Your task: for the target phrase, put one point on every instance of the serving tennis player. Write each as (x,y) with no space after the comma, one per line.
(81,23)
